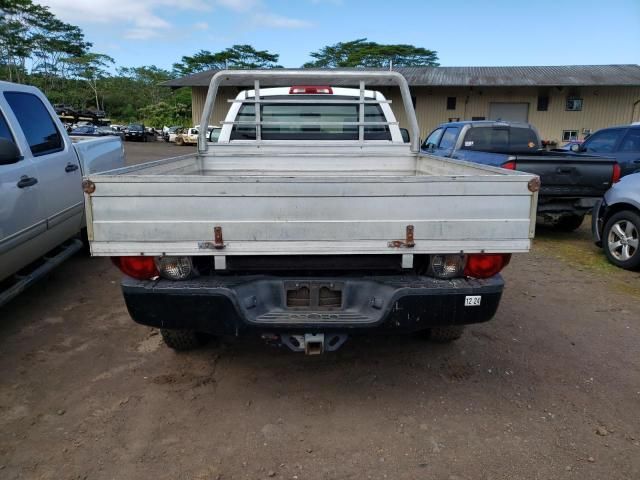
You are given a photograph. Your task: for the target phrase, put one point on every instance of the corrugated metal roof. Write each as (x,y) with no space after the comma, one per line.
(578,75)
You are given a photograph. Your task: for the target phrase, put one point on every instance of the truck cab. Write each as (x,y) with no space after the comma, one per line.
(41,168)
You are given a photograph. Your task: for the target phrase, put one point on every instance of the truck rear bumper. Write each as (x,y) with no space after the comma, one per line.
(240,304)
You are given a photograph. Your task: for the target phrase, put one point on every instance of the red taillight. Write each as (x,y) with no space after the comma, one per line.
(141,268)
(485,265)
(615,175)
(510,165)
(311,90)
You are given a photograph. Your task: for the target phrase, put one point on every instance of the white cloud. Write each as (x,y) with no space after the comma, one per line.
(138,17)
(271,20)
(201,26)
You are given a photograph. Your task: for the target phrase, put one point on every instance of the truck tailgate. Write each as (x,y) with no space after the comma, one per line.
(175,206)
(569,175)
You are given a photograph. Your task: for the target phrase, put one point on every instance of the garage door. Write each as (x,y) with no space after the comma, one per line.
(509,112)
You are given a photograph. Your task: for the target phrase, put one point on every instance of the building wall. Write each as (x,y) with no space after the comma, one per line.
(602,106)
(198,97)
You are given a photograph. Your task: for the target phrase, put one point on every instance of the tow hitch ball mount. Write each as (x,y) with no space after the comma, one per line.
(309,343)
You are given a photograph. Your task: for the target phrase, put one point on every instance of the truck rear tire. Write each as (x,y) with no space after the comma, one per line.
(446,334)
(179,142)
(569,223)
(182,340)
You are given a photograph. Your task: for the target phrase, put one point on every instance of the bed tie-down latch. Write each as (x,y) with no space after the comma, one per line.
(408,241)
(218,242)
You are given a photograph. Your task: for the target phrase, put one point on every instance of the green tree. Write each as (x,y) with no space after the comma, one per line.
(235,57)
(361,53)
(30,33)
(91,68)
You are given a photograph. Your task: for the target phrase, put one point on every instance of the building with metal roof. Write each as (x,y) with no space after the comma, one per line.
(563,102)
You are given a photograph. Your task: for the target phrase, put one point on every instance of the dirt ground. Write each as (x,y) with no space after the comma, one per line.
(550,389)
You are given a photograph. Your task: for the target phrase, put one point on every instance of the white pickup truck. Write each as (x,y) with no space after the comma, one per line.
(309,220)
(41,199)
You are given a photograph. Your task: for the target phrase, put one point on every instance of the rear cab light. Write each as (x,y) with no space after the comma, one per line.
(311,90)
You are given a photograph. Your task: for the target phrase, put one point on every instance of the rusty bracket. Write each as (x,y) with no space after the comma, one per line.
(218,242)
(408,242)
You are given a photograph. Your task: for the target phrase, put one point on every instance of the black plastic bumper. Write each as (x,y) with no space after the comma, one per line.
(236,305)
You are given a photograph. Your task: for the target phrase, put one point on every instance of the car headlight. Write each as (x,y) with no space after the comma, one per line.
(447,266)
(175,268)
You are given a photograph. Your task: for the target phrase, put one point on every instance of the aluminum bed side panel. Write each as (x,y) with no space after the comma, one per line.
(289,216)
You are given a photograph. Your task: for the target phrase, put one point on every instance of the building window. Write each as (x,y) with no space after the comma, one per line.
(573,104)
(475,119)
(543,103)
(569,135)
(451,103)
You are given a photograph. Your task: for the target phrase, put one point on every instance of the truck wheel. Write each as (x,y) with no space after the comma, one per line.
(620,239)
(179,142)
(569,223)
(181,340)
(446,334)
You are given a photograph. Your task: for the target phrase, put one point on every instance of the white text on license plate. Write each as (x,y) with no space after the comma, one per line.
(472,300)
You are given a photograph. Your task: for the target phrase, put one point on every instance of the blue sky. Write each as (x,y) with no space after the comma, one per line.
(464,33)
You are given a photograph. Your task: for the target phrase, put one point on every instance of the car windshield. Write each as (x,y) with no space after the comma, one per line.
(308,121)
(135,127)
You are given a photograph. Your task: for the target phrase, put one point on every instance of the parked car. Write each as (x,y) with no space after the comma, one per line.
(170,134)
(107,130)
(41,199)
(93,131)
(64,109)
(189,136)
(571,184)
(621,143)
(616,223)
(567,147)
(135,131)
(304,226)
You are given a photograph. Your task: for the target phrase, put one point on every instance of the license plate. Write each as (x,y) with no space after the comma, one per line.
(472,300)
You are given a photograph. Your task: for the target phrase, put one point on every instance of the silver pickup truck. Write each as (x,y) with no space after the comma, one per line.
(41,199)
(310,219)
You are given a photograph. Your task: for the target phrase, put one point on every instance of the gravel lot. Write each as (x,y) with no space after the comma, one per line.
(550,389)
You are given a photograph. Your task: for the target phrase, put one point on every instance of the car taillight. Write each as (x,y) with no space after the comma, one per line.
(510,165)
(141,268)
(485,265)
(615,175)
(311,90)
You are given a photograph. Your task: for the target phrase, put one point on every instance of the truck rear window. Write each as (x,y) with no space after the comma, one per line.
(297,121)
(501,139)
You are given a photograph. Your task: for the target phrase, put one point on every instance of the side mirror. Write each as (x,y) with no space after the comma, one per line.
(214,135)
(576,148)
(9,152)
(406,138)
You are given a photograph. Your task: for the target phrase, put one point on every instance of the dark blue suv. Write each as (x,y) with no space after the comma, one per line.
(621,143)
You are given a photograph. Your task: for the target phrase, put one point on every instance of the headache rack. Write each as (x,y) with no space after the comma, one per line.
(285,78)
